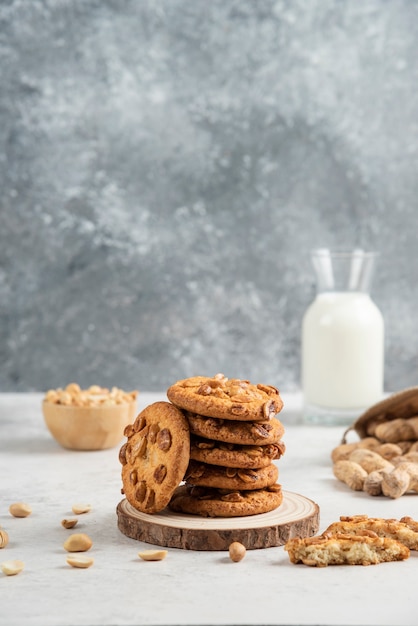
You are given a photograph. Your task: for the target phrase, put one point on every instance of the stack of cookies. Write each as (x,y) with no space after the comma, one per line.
(234,439)
(224,438)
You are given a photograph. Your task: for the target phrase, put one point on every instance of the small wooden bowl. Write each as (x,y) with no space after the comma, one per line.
(88,428)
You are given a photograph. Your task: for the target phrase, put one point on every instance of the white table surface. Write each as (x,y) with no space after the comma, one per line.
(188,587)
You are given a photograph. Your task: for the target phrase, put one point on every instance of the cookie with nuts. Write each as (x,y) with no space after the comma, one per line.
(225,398)
(234,431)
(233,478)
(155,456)
(402,530)
(342,549)
(233,454)
(209,502)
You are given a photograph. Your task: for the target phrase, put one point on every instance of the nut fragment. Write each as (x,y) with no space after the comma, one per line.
(133,476)
(128,430)
(238,409)
(260,430)
(11,568)
(237,551)
(79,509)
(122,454)
(269,409)
(20,509)
(154,429)
(204,390)
(69,523)
(141,491)
(4,539)
(234,496)
(160,473)
(137,449)
(153,555)
(150,499)
(79,542)
(80,561)
(247,475)
(164,439)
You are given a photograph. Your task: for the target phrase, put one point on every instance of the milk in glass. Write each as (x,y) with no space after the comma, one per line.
(342,340)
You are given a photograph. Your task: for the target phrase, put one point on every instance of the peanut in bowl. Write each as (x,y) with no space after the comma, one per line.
(88,419)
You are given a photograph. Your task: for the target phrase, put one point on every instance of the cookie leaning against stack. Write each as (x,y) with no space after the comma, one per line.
(235,437)
(155,457)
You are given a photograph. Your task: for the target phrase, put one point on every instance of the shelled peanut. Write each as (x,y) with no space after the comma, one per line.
(388,469)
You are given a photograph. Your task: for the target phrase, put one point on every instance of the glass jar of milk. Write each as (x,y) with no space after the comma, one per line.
(342,340)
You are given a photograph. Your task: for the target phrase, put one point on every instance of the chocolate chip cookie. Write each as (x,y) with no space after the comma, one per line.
(232,399)
(234,431)
(234,455)
(222,503)
(155,457)
(233,478)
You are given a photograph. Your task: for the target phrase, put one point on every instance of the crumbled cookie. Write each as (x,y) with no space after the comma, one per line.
(404,531)
(209,502)
(234,431)
(234,478)
(234,455)
(155,457)
(232,399)
(342,549)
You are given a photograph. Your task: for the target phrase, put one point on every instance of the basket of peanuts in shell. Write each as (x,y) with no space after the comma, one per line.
(384,459)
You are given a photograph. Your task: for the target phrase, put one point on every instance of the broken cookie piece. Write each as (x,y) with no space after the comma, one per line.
(343,549)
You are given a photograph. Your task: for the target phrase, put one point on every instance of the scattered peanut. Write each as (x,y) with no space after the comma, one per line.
(407,446)
(389,451)
(389,469)
(78,542)
(369,460)
(80,561)
(11,568)
(237,551)
(373,483)
(398,430)
(152,555)
(4,539)
(411,456)
(20,509)
(402,479)
(69,523)
(343,451)
(350,473)
(79,509)
(395,483)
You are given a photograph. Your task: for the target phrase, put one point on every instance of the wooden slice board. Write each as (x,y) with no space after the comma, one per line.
(297,516)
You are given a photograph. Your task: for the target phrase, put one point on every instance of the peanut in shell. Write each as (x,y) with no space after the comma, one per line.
(401,404)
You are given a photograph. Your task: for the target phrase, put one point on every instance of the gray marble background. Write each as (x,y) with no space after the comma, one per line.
(166,166)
